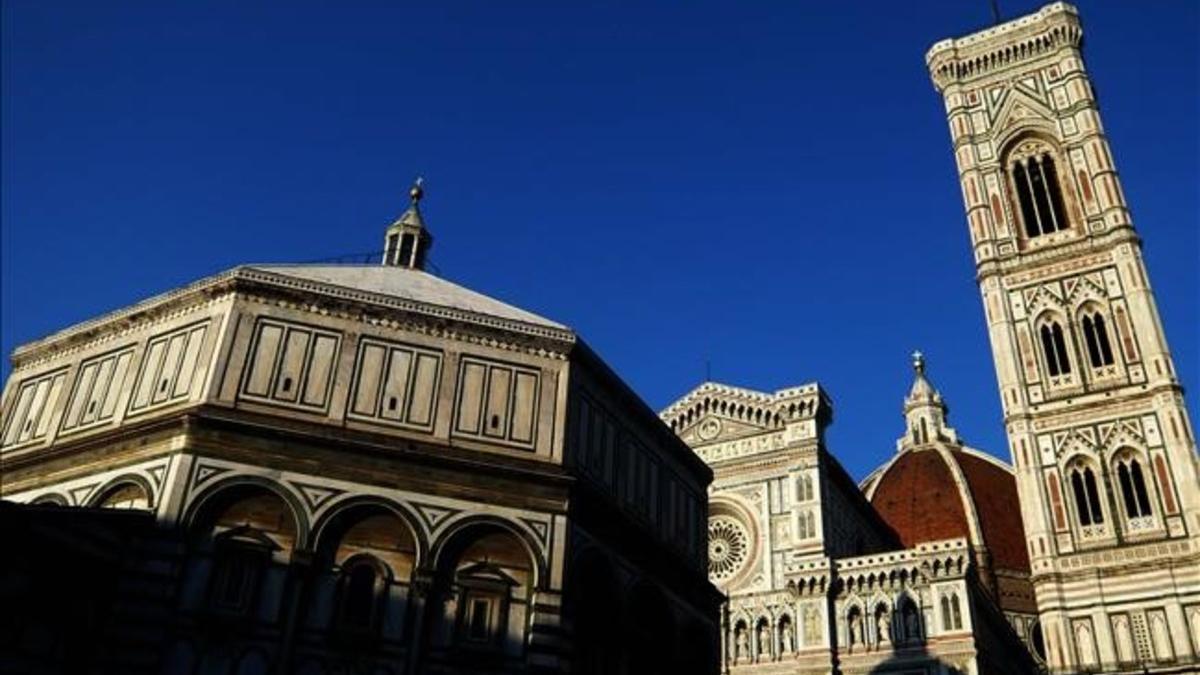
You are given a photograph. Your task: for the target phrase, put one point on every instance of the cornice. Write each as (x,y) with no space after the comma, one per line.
(119,323)
(1019,261)
(1000,47)
(404,304)
(271,288)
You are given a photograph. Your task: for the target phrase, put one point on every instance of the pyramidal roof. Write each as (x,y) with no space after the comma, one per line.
(409,284)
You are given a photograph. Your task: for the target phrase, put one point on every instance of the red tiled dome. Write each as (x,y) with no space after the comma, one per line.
(919,498)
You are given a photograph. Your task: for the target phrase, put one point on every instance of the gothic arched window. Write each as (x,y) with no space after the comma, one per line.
(1038,193)
(1054,345)
(1095,336)
(1133,488)
(954,608)
(805,488)
(945,613)
(1087,497)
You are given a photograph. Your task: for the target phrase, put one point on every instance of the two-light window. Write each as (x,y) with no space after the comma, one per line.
(1054,346)
(1087,496)
(1095,338)
(1131,481)
(1096,342)
(1133,488)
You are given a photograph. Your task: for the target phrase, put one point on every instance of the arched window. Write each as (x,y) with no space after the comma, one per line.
(954,608)
(1089,482)
(1054,345)
(1081,505)
(1036,181)
(946,613)
(1095,336)
(1087,497)
(805,488)
(487,575)
(910,620)
(125,496)
(1133,488)
(240,558)
(252,532)
(360,593)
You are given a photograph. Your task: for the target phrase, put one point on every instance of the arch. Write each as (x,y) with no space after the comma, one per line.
(244,532)
(1032,159)
(342,514)
(361,591)
(120,493)
(854,626)
(1081,473)
(464,529)
(882,629)
(486,576)
(1053,341)
(1095,330)
(226,490)
(50,499)
(910,619)
(786,634)
(1130,466)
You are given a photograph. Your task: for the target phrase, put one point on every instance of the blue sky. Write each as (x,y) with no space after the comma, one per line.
(766,186)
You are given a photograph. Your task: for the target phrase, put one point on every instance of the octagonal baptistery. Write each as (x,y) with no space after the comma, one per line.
(936,488)
(333,468)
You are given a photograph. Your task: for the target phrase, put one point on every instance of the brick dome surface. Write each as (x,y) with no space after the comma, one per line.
(918,497)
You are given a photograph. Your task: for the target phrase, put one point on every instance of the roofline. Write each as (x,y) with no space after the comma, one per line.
(555,332)
(871,481)
(244,277)
(860,500)
(679,449)
(763,397)
(980,36)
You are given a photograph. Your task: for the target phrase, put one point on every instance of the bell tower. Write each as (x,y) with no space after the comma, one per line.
(1099,435)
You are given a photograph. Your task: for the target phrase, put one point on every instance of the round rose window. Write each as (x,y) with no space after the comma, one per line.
(728,547)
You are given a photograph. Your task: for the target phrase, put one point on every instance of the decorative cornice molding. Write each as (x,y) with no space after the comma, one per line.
(1014,42)
(267,287)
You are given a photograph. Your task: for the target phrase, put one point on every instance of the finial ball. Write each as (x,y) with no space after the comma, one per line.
(417,192)
(918,362)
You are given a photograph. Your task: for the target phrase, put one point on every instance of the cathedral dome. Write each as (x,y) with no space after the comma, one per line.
(935,493)
(937,488)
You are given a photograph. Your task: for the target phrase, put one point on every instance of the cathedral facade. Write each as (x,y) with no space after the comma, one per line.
(928,565)
(921,568)
(365,468)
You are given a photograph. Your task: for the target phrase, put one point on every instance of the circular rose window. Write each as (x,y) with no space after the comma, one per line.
(728,547)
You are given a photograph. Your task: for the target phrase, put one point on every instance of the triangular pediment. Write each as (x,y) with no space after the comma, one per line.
(1018,109)
(714,428)
(1043,297)
(1082,288)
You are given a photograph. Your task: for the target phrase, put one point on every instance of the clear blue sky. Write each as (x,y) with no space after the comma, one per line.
(765,185)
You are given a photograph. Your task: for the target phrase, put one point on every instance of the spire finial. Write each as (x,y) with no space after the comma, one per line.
(416,192)
(918,362)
